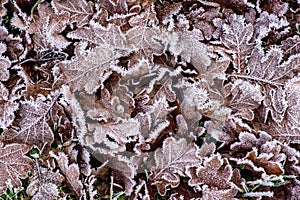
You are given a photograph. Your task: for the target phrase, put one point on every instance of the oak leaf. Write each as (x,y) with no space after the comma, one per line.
(110,37)
(268,71)
(116,135)
(289,127)
(115,6)
(237,38)
(7,107)
(245,98)
(88,70)
(172,160)
(270,167)
(214,173)
(249,140)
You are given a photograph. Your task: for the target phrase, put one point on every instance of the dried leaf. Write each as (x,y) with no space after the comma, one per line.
(276,7)
(166,13)
(7,107)
(268,22)
(289,127)
(80,11)
(88,70)
(7,115)
(70,171)
(43,185)
(214,173)
(175,157)
(145,36)
(213,193)
(236,38)
(245,98)
(13,165)
(47,28)
(271,75)
(197,55)
(12,46)
(263,161)
(204,21)
(291,45)
(116,135)
(250,140)
(32,126)
(4,65)
(123,171)
(109,38)
(115,6)
(3,10)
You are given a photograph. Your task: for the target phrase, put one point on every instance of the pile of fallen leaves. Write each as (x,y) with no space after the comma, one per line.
(137,99)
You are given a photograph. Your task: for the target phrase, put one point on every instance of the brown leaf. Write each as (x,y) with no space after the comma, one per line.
(267,22)
(145,36)
(236,37)
(13,165)
(289,127)
(115,135)
(249,140)
(71,172)
(245,98)
(166,13)
(276,7)
(110,37)
(88,70)
(32,124)
(213,193)
(123,172)
(4,65)
(204,21)
(197,56)
(47,28)
(7,107)
(3,10)
(175,157)
(7,115)
(11,45)
(291,45)
(214,173)
(43,185)
(267,70)
(270,167)
(80,11)
(114,6)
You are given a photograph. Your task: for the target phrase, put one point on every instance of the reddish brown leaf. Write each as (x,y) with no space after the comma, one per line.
(262,161)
